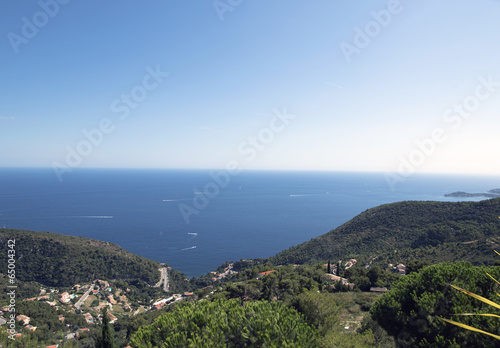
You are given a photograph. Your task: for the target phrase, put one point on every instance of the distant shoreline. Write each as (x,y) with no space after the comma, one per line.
(490,194)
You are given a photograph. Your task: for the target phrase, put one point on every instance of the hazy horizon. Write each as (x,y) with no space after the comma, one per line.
(396,87)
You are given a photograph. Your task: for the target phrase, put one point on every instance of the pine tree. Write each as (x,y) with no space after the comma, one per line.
(106,336)
(329,270)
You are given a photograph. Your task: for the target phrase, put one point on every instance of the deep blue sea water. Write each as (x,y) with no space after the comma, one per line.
(257,214)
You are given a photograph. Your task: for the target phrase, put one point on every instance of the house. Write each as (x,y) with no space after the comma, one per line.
(102,283)
(70,336)
(61,318)
(377,289)
(64,298)
(2,321)
(188,294)
(123,298)
(112,318)
(88,318)
(401,269)
(350,263)
(261,274)
(24,319)
(54,346)
(80,331)
(158,306)
(163,301)
(31,327)
(333,278)
(111,299)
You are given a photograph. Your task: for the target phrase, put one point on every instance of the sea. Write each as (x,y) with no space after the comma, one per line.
(195,220)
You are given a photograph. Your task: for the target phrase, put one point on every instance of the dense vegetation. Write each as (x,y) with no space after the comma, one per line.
(59,260)
(437,231)
(226,323)
(411,311)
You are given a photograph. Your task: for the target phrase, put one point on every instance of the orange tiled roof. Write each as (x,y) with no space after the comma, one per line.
(267,272)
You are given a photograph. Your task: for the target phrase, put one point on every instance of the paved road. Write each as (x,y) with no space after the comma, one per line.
(163,279)
(84,297)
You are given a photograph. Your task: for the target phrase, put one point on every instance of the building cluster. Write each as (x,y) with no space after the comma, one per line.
(227,271)
(400,269)
(335,279)
(165,301)
(67,302)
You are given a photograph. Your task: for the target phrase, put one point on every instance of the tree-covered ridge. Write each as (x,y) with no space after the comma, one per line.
(424,227)
(59,260)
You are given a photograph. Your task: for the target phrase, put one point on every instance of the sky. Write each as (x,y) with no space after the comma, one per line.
(381,86)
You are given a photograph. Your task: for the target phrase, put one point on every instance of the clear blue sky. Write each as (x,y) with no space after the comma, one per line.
(363,92)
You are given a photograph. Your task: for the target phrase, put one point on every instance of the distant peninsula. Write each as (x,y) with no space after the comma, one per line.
(490,194)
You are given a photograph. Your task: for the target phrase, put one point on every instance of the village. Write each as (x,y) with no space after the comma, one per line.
(87,300)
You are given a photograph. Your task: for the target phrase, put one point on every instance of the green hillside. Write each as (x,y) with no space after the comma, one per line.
(435,231)
(59,260)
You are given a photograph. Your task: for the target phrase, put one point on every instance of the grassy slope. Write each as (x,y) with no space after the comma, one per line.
(435,231)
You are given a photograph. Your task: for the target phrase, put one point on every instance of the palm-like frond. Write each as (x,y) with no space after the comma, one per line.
(471,328)
(482,299)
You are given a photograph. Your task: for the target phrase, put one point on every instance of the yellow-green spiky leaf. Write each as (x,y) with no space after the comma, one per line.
(492,278)
(480,298)
(471,328)
(482,314)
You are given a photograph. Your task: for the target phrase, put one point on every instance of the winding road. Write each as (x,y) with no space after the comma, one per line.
(163,279)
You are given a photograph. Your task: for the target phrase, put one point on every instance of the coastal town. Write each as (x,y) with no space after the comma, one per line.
(89,300)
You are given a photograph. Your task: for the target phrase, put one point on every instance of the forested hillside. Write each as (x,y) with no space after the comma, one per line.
(438,231)
(59,260)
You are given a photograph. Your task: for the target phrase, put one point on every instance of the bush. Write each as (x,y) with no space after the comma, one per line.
(227,323)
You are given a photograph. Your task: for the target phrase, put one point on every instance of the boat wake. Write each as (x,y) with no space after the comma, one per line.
(311,194)
(93,217)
